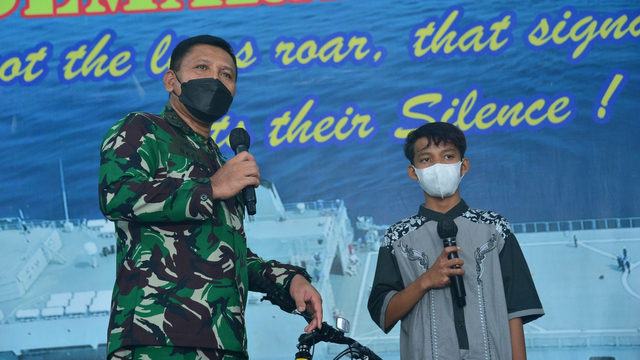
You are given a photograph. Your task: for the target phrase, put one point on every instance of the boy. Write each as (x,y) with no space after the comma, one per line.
(414,273)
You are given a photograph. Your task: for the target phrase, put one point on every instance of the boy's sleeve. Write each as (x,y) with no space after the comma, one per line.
(519,289)
(386,283)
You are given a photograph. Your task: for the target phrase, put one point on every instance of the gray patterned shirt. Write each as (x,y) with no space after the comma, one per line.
(497,281)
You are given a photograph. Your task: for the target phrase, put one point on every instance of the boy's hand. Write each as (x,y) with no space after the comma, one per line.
(439,274)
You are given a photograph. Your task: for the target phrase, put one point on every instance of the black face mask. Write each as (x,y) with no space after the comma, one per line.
(206,99)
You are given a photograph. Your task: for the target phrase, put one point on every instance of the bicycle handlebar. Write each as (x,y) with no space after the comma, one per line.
(327,333)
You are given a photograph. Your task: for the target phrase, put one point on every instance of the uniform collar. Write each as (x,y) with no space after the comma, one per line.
(456,211)
(172,117)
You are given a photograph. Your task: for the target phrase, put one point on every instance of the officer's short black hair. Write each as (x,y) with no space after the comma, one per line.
(182,49)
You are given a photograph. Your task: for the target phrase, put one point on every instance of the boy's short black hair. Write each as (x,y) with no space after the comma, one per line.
(437,132)
(184,46)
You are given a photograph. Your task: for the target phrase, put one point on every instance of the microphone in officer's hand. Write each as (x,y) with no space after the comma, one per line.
(447,230)
(239,140)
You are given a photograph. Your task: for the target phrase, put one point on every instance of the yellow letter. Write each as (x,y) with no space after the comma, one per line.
(158,53)
(359,43)
(633,27)
(465,108)
(555,34)
(362,120)
(341,123)
(72,56)
(436,44)
(431,99)
(590,33)
(447,114)
(245,56)
(14,64)
(277,123)
(483,113)
(300,130)
(607,26)
(505,113)
(323,125)
(335,45)
(557,106)
(287,47)
(118,60)
(475,34)
(497,28)
(32,59)
(311,48)
(421,34)
(218,126)
(542,39)
(537,105)
(96,65)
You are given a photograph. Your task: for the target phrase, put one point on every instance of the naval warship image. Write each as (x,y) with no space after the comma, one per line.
(55,286)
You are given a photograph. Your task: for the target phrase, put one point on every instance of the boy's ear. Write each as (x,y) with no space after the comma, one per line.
(465,166)
(412,173)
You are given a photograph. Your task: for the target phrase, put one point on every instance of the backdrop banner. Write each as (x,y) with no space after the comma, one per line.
(547,93)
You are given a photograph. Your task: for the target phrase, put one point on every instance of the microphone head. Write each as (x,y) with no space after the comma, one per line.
(238,137)
(447,229)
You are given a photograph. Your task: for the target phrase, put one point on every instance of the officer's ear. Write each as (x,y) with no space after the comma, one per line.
(171,83)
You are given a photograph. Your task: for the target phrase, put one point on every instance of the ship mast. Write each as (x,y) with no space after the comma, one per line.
(68,226)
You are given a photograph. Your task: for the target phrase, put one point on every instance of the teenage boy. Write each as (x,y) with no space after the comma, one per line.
(414,270)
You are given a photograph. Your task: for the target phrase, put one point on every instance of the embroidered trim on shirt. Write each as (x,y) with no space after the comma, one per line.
(402,228)
(480,255)
(423,260)
(415,255)
(432,320)
(489,217)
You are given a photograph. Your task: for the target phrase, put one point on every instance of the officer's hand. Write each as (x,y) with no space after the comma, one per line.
(239,172)
(307,298)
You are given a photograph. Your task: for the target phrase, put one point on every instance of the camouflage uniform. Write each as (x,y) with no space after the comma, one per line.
(182,256)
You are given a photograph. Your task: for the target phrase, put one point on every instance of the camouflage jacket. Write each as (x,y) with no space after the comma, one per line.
(182,257)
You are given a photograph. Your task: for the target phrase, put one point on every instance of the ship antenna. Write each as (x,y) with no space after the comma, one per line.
(67,224)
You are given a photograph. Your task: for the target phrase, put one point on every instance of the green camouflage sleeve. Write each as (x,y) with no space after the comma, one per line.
(277,272)
(138,180)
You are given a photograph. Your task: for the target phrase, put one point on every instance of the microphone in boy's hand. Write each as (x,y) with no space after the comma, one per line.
(447,230)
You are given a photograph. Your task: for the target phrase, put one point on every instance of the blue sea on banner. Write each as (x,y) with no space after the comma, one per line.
(580,170)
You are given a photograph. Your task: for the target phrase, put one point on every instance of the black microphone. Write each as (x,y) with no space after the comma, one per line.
(239,140)
(447,230)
